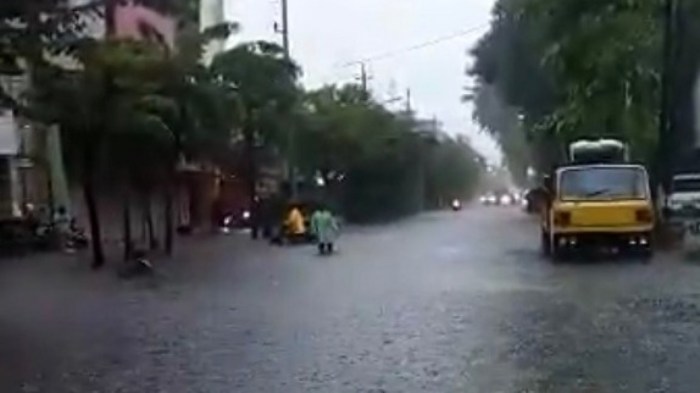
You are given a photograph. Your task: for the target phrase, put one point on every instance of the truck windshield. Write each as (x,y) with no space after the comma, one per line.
(686,185)
(603,183)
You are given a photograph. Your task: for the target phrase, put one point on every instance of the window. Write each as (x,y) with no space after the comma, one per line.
(686,185)
(603,183)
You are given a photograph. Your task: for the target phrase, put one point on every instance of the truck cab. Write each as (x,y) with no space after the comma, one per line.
(596,204)
(684,195)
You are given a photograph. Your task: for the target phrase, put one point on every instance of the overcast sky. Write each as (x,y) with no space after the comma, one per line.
(328,34)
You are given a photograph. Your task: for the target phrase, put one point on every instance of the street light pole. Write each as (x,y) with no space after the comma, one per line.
(291,137)
(285,28)
(666,129)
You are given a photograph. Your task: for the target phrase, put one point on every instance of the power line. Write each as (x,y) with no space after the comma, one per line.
(419,46)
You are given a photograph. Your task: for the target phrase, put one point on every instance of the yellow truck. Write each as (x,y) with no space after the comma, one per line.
(596,203)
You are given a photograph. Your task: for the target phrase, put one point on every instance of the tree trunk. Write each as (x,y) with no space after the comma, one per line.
(145,241)
(98,257)
(126,222)
(168,222)
(149,227)
(251,180)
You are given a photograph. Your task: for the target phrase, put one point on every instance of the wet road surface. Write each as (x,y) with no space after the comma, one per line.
(441,303)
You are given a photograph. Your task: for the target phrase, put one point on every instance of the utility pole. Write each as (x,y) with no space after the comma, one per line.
(285,29)
(408,101)
(666,130)
(364,79)
(291,137)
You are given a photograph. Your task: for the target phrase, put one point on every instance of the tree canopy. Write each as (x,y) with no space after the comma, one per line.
(381,162)
(575,69)
(133,112)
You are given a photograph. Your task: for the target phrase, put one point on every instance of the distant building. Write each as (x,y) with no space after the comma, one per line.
(10,200)
(212,14)
(139,22)
(430,126)
(31,163)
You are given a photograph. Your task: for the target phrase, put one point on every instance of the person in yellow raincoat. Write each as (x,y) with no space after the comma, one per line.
(295,225)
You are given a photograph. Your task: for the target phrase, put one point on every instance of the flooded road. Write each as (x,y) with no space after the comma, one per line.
(441,303)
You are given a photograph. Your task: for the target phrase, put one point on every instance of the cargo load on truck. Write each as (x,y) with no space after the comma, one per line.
(601,151)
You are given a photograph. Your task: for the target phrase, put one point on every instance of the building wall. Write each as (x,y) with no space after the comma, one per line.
(138,22)
(94,24)
(212,14)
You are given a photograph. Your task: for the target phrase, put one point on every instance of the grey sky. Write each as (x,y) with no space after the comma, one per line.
(326,34)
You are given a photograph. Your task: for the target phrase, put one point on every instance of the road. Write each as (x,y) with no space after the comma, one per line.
(440,303)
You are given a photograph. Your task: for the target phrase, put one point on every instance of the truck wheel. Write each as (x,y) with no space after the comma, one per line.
(558,253)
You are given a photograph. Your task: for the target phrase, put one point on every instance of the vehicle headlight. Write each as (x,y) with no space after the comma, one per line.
(491,199)
(246,215)
(506,200)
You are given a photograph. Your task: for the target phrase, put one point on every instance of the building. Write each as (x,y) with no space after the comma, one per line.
(141,23)
(212,13)
(31,165)
(10,200)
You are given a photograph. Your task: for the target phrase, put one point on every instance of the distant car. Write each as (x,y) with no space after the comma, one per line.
(684,199)
(456,205)
(489,199)
(499,199)
(506,199)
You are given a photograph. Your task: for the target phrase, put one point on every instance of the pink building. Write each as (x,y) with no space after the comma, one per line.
(138,22)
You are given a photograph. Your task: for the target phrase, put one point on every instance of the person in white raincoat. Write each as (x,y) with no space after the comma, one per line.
(325,227)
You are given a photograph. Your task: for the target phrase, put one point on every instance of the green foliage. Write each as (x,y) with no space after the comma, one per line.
(577,69)
(131,111)
(453,170)
(34,33)
(504,123)
(388,168)
(266,83)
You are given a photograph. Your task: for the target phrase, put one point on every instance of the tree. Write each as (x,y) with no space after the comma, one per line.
(583,69)
(506,125)
(265,82)
(137,136)
(607,59)
(33,35)
(201,110)
(684,75)
(512,80)
(101,108)
(380,165)
(136,108)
